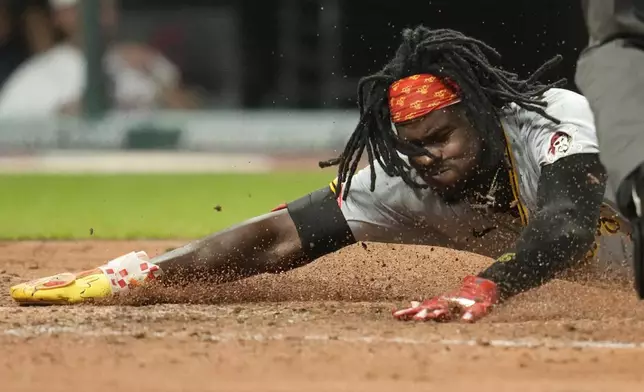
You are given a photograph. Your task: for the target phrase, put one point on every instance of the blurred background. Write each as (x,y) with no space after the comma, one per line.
(203,65)
(227,86)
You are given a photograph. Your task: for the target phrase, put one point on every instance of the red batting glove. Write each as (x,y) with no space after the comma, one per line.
(473,300)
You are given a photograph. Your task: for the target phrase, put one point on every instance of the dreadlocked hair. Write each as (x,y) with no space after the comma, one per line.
(447,54)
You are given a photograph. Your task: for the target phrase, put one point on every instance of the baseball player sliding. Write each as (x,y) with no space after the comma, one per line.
(462,155)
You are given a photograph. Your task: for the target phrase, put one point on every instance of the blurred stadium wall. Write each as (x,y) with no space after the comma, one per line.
(277,78)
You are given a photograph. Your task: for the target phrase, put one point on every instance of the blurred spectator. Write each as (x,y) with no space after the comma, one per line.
(53,81)
(38,29)
(12,52)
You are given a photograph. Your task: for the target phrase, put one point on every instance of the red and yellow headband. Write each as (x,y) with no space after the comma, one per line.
(417,95)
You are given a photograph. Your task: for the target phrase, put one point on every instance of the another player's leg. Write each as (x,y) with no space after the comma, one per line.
(609,74)
(630,197)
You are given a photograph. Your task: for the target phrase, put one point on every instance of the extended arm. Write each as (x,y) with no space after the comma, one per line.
(308,228)
(562,231)
(559,235)
(305,230)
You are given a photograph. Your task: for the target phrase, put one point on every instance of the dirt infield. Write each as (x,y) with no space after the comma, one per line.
(326,326)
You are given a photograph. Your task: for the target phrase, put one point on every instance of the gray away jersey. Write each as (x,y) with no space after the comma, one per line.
(533,141)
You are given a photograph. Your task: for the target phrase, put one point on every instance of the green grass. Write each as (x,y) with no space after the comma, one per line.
(141,206)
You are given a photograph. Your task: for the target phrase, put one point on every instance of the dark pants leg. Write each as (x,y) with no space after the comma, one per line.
(610,73)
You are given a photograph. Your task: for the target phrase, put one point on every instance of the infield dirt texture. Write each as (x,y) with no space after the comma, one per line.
(324,327)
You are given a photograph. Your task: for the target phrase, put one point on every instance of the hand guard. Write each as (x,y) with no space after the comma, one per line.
(117,275)
(472,301)
(129,271)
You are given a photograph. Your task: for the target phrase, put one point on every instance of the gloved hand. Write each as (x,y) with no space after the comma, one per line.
(473,300)
(118,275)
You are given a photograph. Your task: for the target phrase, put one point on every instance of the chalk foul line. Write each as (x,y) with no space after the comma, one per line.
(30,332)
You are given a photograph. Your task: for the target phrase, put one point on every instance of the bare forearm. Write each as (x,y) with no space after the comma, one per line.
(251,248)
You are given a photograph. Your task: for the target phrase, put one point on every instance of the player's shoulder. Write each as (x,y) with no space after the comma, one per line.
(388,191)
(391,202)
(562,104)
(547,141)
(557,95)
(566,103)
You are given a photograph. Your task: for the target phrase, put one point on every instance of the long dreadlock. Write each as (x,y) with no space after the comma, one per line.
(447,54)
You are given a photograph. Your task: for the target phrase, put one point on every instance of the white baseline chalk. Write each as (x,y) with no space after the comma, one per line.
(231,337)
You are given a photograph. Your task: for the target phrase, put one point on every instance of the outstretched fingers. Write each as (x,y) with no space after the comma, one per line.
(475,312)
(435,309)
(407,313)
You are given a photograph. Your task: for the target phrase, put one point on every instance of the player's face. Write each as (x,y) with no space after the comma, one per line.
(455,145)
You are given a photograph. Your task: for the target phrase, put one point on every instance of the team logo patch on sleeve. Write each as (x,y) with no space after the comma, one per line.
(561,144)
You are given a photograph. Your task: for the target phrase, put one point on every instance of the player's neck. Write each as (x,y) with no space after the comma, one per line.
(491,188)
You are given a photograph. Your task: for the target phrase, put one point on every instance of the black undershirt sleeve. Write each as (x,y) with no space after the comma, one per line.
(561,232)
